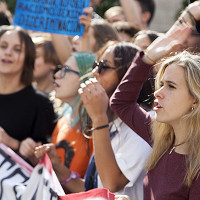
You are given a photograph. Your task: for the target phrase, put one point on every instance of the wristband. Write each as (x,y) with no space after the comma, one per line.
(72,175)
(98,128)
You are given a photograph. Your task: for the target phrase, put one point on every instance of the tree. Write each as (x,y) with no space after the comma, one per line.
(11,5)
(106,4)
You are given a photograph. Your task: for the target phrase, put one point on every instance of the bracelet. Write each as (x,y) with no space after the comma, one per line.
(193,20)
(98,127)
(72,175)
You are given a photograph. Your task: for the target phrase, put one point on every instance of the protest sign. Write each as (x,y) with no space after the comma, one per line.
(53,16)
(18,180)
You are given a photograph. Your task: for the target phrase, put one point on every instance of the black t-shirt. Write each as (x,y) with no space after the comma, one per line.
(27,113)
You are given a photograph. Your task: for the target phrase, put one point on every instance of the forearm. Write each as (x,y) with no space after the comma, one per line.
(107,167)
(62,46)
(13,143)
(124,100)
(6,139)
(74,185)
(131,13)
(190,15)
(85,43)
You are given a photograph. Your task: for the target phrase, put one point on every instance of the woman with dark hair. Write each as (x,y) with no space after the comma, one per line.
(26,116)
(46,63)
(114,143)
(113,165)
(101,32)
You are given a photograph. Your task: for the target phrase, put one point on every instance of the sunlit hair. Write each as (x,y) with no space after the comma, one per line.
(105,46)
(123,54)
(152,35)
(29,51)
(103,32)
(84,61)
(163,134)
(5,17)
(113,11)
(45,42)
(125,27)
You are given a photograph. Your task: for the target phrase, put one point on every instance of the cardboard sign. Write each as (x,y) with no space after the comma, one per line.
(53,16)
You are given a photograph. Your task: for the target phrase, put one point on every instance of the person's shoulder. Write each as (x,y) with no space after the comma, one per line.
(39,95)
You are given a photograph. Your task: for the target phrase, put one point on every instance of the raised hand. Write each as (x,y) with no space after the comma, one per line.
(94,99)
(86,19)
(166,44)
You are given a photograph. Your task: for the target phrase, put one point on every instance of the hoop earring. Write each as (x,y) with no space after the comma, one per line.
(192,108)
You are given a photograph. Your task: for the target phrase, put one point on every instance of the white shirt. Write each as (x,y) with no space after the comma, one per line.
(131,153)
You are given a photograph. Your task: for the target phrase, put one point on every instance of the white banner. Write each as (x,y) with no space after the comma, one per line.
(19,181)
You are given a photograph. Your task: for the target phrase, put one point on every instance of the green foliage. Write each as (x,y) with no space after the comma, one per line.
(184,4)
(104,5)
(11,4)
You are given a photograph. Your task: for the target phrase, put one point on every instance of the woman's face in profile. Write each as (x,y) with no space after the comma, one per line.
(67,85)
(108,78)
(173,99)
(12,54)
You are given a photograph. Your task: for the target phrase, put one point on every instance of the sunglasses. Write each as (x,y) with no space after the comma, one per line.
(102,66)
(64,69)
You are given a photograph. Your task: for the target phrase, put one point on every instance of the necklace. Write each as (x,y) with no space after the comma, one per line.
(172,149)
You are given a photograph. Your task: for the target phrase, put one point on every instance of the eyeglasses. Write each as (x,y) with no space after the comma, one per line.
(64,69)
(102,66)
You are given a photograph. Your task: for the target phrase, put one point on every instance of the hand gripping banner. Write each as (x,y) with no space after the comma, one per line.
(19,181)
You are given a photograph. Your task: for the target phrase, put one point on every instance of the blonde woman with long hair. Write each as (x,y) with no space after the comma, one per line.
(174,165)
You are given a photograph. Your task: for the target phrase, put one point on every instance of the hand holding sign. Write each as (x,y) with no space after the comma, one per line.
(54,16)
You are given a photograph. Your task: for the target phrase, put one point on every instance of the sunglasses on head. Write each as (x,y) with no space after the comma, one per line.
(102,66)
(64,69)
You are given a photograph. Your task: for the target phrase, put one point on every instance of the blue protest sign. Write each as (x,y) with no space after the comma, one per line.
(53,16)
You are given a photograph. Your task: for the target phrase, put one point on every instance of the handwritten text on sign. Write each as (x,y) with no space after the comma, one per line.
(54,16)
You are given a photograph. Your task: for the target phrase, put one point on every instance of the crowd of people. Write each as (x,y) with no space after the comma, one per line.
(116,108)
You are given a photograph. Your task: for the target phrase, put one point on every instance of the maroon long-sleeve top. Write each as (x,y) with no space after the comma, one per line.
(166,180)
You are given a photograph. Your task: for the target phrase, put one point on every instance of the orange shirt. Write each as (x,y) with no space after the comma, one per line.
(74,150)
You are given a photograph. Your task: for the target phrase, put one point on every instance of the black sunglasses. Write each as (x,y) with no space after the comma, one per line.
(64,69)
(102,66)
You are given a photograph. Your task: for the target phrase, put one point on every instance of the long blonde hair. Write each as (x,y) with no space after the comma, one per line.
(163,134)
